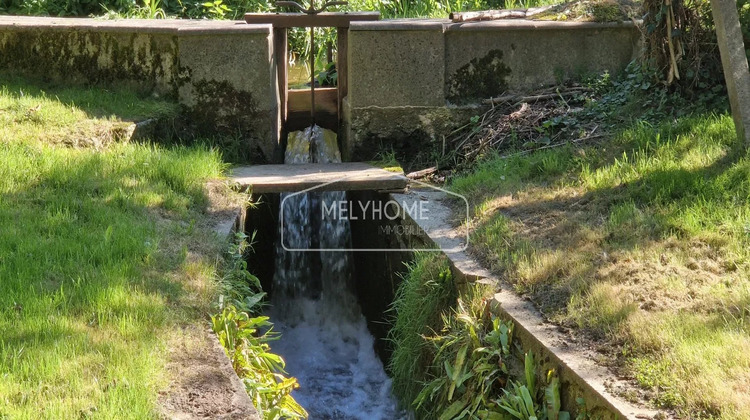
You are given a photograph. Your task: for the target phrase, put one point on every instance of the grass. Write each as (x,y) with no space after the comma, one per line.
(641,243)
(103,254)
(425,294)
(75,116)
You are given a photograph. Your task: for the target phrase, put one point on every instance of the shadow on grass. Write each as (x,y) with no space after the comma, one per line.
(123,102)
(552,245)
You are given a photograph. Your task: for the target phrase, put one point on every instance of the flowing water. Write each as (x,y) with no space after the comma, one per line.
(324,337)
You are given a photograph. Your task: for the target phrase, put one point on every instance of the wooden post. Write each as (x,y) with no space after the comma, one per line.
(282,64)
(734,62)
(342,35)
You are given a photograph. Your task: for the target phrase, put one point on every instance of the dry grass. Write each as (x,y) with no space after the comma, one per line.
(642,245)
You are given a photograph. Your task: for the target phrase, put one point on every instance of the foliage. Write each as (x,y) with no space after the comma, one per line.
(245,339)
(216,9)
(520,401)
(329,76)
(426,291)
(681,45)
(239,287)
(473,350)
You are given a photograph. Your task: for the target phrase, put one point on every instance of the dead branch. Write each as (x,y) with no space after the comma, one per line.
(486,15)
(422,173)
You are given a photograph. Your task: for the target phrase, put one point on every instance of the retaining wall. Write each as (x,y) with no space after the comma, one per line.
(221,72)
(411,80)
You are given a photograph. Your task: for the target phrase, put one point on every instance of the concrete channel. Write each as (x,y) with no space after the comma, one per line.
(380,273)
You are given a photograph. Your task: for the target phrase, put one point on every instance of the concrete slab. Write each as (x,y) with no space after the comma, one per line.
(734,62)
(348,176)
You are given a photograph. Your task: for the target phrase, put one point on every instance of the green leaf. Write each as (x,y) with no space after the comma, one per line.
(552,398)
(528,401)
(457,369)
(530,371)
(453,410)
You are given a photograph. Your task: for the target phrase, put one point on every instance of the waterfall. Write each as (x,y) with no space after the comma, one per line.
(324,337)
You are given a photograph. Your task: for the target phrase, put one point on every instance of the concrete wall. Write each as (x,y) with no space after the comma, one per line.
(411,80)
(221,72)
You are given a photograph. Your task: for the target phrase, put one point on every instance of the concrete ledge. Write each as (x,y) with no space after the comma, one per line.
(400,25)
(536,25)
(164,26)
(446,25)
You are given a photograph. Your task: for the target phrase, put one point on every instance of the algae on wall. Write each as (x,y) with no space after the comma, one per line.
(479,79)
(147,61)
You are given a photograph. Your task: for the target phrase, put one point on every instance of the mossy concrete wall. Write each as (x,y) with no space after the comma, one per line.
(411,80)
(221,72)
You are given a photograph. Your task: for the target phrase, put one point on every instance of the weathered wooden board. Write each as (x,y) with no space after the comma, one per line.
(301,20)
(348,176)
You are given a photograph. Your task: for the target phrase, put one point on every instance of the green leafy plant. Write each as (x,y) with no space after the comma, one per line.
(245,339)
(329,76)
(472,350)
(216,9)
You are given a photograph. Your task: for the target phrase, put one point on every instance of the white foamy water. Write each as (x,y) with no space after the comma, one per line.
(333,359)
(324,337)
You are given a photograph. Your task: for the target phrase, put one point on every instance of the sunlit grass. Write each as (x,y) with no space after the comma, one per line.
(643,243)
(71,115)
(96,250)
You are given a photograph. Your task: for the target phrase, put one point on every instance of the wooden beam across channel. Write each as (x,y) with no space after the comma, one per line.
(347,176)
(301,20)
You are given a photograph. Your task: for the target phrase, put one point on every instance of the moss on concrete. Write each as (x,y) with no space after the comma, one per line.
(413,134)
(220,110)
(480,78)
(144,61)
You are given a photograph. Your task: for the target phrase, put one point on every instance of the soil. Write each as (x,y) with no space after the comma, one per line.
(204,385)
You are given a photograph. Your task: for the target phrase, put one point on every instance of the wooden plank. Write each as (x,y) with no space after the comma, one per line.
(348,176)
(297,20)
(325,100)
(326,109)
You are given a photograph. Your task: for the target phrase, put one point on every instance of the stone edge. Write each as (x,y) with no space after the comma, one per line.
(446,25)
(228,227)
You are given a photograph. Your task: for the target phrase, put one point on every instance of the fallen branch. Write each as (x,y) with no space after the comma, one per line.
(421,174)
(457,17)
(533,98)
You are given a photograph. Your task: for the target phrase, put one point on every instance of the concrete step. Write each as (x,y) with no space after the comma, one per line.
(347,176)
